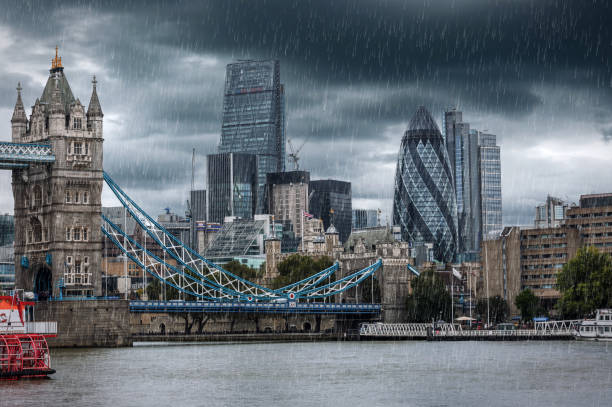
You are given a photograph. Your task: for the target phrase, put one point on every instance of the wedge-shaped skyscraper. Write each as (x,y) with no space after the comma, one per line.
(424,203)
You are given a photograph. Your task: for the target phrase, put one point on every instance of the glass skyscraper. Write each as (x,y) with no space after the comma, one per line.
(254,117)
(232,186)
(462,147)
(424,204)
(331,201)
(490,184)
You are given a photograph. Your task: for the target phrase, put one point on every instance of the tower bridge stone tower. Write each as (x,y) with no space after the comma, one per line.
(58,241)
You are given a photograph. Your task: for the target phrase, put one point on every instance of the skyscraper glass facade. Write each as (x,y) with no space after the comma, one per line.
(254,117)
(462,148)
(490,184)
(424,203)
(331,201)
(232,186)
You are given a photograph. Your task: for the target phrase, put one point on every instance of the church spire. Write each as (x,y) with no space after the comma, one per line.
(94,109)
(19,115)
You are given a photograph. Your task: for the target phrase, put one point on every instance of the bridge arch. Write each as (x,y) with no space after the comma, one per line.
(43,282)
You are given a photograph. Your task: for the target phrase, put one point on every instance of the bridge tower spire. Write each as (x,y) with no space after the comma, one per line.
(19,121)
(94,111)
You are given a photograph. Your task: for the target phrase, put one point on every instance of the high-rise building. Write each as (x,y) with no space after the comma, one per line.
(490,185)
(232,186)
(462,147)
(7,229)
(7,268)
(287,199)
(197,213)
(424,204)
(254,117)
(365,218)
(331,201)
(550,214)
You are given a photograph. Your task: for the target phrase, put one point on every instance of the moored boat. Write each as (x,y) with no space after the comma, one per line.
(23,346)
(598,329)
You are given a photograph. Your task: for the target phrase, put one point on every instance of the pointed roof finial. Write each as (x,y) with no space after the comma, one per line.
(57,61)
(19,115)
(94,109)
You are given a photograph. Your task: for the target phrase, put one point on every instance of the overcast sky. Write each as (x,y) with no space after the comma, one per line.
(535,73)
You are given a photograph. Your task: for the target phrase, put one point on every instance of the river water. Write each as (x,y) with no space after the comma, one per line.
(408,373)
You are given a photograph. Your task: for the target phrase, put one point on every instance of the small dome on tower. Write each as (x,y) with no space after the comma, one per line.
(331,230)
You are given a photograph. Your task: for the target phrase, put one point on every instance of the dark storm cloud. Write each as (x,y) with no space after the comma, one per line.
(354,72)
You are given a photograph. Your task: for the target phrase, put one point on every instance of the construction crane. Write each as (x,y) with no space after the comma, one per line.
(294,153)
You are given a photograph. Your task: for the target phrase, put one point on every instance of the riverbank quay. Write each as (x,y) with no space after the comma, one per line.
(239,338)
(448,332)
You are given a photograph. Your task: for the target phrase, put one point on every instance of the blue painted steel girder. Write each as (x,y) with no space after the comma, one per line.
(259,307)
(21,155)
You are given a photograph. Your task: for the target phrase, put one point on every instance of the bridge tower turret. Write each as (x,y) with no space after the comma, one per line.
(58,241)
(19,121)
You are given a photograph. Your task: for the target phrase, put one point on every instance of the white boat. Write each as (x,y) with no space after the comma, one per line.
(598,329)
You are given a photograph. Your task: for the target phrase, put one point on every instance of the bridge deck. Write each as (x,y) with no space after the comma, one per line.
(20,155)
(260,307)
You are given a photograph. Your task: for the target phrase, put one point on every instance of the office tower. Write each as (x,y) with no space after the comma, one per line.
(365,218)
(331,201)
(287,199)
(232,186)
(197,213)
(424,203)
(550,214)
(254,117)
(462,148)
(490,184)
(7,229)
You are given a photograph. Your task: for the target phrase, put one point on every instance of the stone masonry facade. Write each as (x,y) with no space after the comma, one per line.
(58,239)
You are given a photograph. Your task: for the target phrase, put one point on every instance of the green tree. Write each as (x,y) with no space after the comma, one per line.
(297,267)
(528,303)
(155,291)
(498,309)
(429,299)
(242,270)
(585,283)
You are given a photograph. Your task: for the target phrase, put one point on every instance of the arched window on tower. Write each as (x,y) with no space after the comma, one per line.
(37,196)
(36,230)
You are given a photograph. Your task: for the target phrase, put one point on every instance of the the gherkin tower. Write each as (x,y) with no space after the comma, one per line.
(424,200)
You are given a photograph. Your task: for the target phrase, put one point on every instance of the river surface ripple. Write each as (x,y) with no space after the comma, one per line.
(408,373)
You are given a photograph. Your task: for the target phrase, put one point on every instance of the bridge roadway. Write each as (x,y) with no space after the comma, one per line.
(259,307)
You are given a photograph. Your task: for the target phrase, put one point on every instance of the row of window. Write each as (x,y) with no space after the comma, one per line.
(544,246)
(602,329)
(542,266)
(543,236)
(537,276)
(77,270)
(78,148)
(544,256)
(595,225)
(589,215)
(539,286)
(77,197)
(77,234)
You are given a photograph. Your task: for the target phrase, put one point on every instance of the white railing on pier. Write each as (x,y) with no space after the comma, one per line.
(405,330)
(550,329)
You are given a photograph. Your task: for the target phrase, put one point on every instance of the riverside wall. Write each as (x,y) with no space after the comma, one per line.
(91,323)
